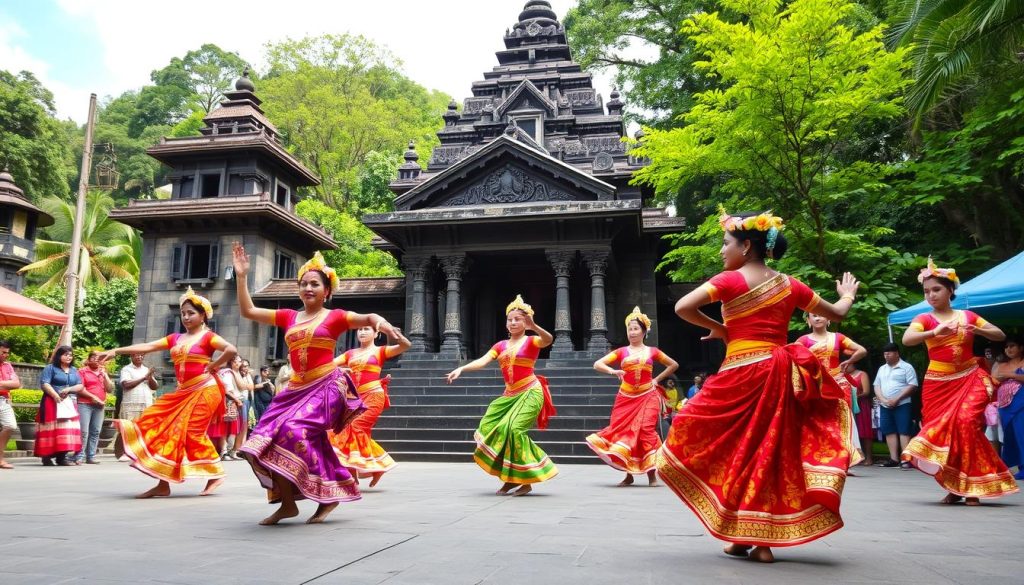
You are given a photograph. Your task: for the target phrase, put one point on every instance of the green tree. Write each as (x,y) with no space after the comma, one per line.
(34,145)
(110,249)
(336,99)
(954,43)
(355,256)
(785,131)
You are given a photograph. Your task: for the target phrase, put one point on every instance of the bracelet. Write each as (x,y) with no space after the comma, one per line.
(848,296)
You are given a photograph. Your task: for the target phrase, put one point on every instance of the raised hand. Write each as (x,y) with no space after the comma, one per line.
(620,374)
(105,356)
(240,259)
(719,332)
(453,375)
(847,286)
(528,321)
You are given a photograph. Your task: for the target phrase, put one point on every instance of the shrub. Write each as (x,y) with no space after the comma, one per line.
(23,396)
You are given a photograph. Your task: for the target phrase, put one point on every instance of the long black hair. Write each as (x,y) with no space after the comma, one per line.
(59,353)
(759,240)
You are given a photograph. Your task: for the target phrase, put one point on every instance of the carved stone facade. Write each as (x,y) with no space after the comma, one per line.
(508,185)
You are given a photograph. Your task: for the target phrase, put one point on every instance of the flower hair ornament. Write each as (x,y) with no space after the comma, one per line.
(518,304)
(197,301)
(932,270)
(317,263)
(639,317)
(764,222)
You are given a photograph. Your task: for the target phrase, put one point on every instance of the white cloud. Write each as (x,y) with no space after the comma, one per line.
(444,45)
(71,102)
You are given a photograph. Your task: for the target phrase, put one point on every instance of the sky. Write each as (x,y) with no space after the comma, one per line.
(78,47)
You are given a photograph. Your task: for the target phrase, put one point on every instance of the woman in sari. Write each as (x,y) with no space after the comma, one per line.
(289,449)
(58,433)
(503,449)
(760,454)
(862,420)
(830,348)
(356,449)
(1010,375)
(951,445)
(168,440)
(630,442)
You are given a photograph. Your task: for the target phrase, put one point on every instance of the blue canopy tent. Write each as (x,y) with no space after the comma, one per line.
(997,295)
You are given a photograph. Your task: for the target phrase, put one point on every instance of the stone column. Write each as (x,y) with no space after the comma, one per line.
(597,264)
(431,312)
(454,266)
(416,274)
(562,264)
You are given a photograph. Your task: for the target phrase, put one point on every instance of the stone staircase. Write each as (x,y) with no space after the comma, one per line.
(430,420)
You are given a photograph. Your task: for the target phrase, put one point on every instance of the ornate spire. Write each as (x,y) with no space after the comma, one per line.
(244,83)
(452,115)
(410,169)
(615,105)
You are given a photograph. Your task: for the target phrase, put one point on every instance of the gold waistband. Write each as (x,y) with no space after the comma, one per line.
(201,381)
(371,386)
(743,352)
(300,379)
(631,390)
(524,384)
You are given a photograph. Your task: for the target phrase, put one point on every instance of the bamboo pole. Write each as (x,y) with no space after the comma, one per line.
(72,278)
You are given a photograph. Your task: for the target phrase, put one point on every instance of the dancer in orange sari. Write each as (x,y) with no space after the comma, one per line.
(630,442)
(952,445)
(830,348)
(168,440)
(759,453)
(355,447)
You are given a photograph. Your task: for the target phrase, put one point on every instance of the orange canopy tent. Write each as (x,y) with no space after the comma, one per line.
(19,310)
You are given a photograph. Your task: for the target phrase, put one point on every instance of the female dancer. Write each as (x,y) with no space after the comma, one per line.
(759,453)
(951,445)
(862,419)
(355,448)
(289,450)
(168,440)
(1010,375)
(830,348)
(503,449)
(630,442)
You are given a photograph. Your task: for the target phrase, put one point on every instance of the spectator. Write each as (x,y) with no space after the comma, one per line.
(137,385)
(264,392)
(862,384)
(58,431)
(92,400)
(8,381)
(223,428)
(245,387)
(284,373)
(994,433)
(895,383)
(698,381)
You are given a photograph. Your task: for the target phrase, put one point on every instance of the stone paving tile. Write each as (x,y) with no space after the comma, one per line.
(432,523)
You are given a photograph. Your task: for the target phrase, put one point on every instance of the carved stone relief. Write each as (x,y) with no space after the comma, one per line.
(508,185)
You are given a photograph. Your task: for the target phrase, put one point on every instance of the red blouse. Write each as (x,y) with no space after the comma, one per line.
(311,342)
(190,359)
(516,361)
(950,354)
(639,367)
(828,352)
(366,366)
(757,319)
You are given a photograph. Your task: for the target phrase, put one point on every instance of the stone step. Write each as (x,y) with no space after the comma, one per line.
(385,434)
(560,398)
(495,391)
(456,409)
(471,422)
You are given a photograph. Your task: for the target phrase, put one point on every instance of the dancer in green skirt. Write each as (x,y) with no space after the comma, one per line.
(503,449)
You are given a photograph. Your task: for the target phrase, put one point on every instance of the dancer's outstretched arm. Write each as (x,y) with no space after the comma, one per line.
(250,311)
(474,365)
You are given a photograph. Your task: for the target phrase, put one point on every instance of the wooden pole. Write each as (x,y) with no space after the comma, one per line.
(72,278)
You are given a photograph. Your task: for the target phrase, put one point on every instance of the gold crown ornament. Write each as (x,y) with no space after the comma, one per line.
(197,301)
(640,317)
(519,305)
(932,270)
(317,263)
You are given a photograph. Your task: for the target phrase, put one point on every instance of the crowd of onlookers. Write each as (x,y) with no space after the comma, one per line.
(72,406)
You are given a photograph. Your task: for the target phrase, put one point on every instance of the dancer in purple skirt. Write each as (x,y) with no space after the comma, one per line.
(289,449)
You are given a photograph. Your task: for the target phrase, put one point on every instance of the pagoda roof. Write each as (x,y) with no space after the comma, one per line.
(11,194)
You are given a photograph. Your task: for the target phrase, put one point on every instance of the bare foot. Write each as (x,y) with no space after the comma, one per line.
(523,490)
(376,478)
(162,490)
(950,499)
(322,511)
(652,479)
(736,550)
(505,489)
(972,502)
(762,554)
(285,511)
(627,481)
(211,485)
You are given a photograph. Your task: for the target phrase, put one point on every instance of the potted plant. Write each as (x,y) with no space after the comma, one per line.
(107,431)
(26,415)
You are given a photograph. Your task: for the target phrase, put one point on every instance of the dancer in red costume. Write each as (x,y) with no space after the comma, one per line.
(759,453)
(952,445)
(630,442)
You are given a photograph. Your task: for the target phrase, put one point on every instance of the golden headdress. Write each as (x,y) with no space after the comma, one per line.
(932,270)
(642,318)
(317,263)
(762,223)
(198,301)
(519,305)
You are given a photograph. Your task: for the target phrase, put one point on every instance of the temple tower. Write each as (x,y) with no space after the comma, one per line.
(19,222)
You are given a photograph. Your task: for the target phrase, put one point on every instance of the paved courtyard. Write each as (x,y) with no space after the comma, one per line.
(430,523)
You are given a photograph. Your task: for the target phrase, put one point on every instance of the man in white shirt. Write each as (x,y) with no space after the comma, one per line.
(895,383)
(137,385)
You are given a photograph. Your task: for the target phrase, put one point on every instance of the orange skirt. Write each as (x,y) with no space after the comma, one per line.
(952,445)
(760,453)
(630,442)
(354,446)
(168,441)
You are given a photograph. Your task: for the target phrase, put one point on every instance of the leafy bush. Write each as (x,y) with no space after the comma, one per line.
(23,396)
